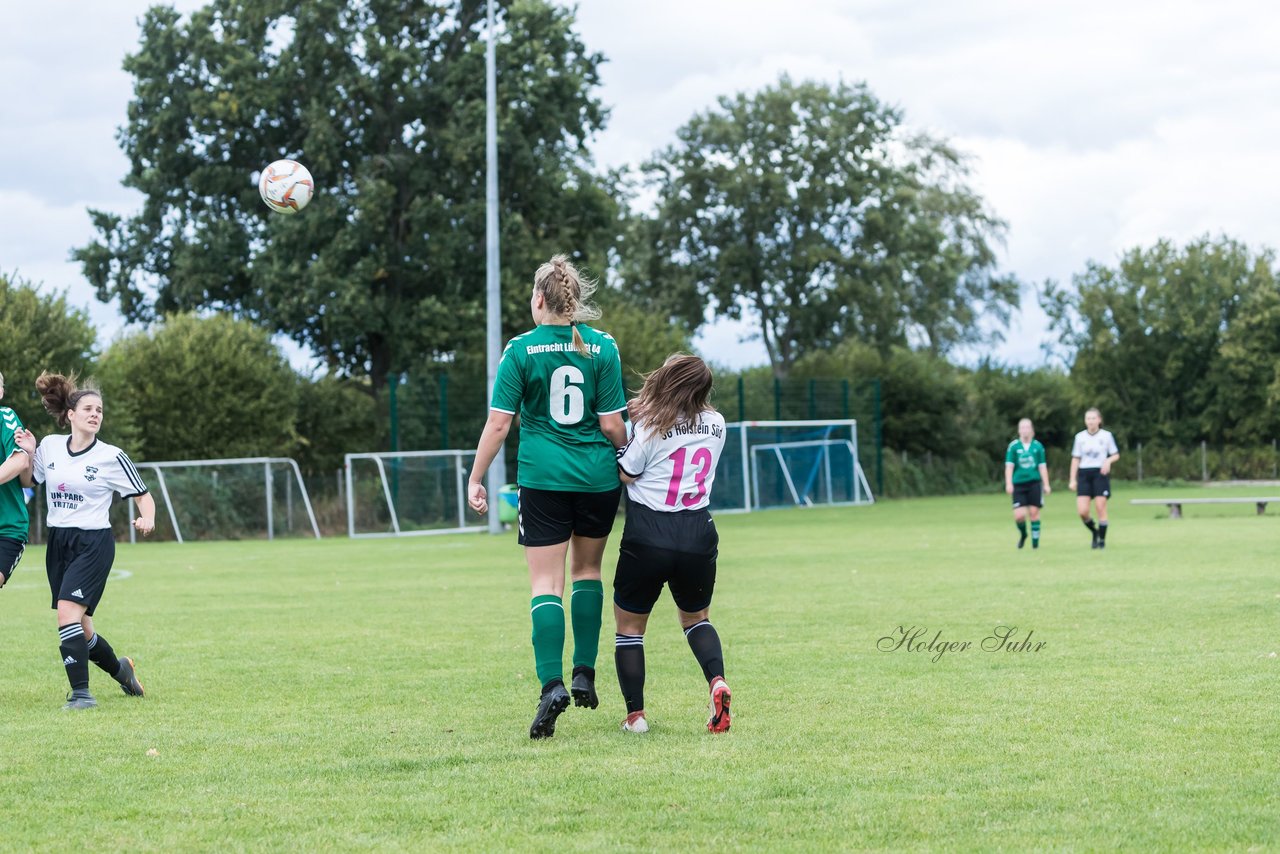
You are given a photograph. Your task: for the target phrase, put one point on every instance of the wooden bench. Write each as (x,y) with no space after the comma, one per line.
(1175,504)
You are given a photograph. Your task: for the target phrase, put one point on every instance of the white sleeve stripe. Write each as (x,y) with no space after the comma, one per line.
(503,411)
(613,411)
(131,473)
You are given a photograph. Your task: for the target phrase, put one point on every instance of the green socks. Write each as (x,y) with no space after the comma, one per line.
(586,604)
(1022,527)
(547,613)
(1035,534)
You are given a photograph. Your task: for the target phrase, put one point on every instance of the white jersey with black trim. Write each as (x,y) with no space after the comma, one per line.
(79,486)
(675,470)
(1094,448)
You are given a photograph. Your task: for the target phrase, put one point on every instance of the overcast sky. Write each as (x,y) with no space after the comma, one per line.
(1094,126)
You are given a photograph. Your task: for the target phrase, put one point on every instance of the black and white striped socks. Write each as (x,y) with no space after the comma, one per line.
(628,660)
(705,643)
(75,655)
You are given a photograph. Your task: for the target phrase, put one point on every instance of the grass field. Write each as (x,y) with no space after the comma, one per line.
(376,694)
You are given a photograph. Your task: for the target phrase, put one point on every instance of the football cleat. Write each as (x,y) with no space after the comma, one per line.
(554,701)
(635,722)
(720,697)
(80,699)
(584,688)
(128,679)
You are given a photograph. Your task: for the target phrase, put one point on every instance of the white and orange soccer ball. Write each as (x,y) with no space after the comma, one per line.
(286,186)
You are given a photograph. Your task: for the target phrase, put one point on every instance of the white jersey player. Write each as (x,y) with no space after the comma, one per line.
(81,476)
(1092,455)
(669,538)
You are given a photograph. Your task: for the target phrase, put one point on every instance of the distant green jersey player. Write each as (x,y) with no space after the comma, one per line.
(564,379)
(14,519)
(1026,478)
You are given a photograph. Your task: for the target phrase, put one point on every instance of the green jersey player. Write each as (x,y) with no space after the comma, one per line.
(564,379)
(14,519)
(1026,478)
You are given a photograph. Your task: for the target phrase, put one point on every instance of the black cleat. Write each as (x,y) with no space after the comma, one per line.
(555,700)
(128,678)
(584,687)
(1022,541)
(1102,544)
(1096,541)
(1035,544)
(80,699)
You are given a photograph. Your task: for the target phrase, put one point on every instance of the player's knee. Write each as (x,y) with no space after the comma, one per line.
(689,619)
(69,612)
(629,623)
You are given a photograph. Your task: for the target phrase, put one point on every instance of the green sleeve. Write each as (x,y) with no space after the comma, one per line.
(610,397)
(508,386)
(1040,458)
(1009,456)
(9,423)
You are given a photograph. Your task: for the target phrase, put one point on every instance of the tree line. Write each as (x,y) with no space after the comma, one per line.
(853,244)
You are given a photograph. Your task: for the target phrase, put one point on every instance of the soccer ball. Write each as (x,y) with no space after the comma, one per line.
(286,186)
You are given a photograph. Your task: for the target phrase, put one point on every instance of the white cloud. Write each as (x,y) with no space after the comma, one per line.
(1096,126)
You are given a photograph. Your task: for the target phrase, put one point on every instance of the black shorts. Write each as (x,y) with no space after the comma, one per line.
(1028,494)
(78,563)
(10,553)
(689,568)
(548,518)
(1093,483)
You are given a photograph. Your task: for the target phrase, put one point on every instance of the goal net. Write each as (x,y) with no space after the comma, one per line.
(409,493)
(768,464)
(232,499)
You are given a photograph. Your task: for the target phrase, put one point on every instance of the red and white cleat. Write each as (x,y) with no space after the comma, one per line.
(720,697)
(635,722)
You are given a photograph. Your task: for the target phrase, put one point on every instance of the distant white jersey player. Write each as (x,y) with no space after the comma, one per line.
(669,538)
(1092,455)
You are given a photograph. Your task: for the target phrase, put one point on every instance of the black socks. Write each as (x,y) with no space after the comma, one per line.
(74,650)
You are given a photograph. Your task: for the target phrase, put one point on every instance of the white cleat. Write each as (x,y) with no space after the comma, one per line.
(635,722)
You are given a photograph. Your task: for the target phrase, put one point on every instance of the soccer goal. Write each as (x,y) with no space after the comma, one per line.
(409,493)
(768,464)
(229,499)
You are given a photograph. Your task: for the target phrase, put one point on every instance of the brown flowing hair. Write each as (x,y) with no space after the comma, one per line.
(568,295)
(677,392)
(60,395)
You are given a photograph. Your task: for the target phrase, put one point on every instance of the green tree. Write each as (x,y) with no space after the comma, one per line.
(201,387)
(335,417)
(1155,343)
(39,332)
(809,209)
(645,339)
(384,102)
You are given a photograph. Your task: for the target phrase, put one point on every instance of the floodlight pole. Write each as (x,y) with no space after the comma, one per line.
(493,310)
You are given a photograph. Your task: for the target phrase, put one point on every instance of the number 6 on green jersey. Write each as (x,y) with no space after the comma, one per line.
(560,395)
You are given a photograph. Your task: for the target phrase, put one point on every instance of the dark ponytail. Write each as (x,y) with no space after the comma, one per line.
(60,396)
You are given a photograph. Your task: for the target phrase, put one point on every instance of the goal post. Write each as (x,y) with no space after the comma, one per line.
(409,493)
(229,499)
(764,464)
(769,464)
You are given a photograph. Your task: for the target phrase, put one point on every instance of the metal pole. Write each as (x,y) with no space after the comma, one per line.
(493,314)
(742,399)
(271,521)
(444,413)
(394,413)
(879,442)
